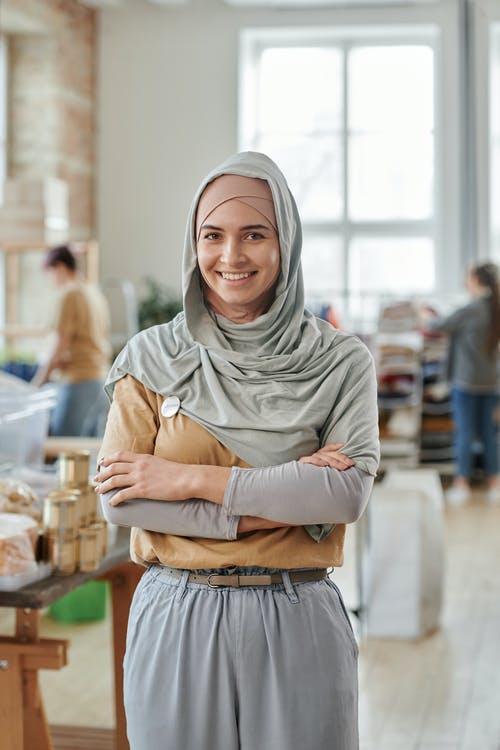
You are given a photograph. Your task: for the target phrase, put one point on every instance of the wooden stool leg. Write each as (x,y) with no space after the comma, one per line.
(124,580)
(11,702)
(36,728)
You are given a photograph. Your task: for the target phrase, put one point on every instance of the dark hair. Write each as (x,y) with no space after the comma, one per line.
(62,254)
(487,276)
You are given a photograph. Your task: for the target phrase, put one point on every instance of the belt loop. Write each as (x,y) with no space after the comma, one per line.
(289,588)
(182,586)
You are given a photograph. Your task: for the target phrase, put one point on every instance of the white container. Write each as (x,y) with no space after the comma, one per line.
(24,425)
(406,559)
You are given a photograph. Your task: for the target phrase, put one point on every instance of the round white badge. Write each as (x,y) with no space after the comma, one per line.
(170,406)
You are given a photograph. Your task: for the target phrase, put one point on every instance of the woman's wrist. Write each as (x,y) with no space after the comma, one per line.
(208,482)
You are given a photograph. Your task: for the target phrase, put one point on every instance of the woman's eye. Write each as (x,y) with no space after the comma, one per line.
(211,236)
(254,236)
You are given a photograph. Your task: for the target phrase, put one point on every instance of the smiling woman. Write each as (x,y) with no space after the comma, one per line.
(222,451)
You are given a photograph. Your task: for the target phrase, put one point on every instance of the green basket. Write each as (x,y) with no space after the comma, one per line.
(85,604)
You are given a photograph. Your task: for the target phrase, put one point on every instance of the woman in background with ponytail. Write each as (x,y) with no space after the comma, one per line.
(474,332)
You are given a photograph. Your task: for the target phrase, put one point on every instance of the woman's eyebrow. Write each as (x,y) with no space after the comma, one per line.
(245,228)
(255,226)
(210,226)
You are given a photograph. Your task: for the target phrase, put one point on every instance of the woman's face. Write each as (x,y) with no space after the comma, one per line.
(472,284)
(239,261)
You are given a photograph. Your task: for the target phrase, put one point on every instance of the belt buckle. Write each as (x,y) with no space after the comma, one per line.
(213,585)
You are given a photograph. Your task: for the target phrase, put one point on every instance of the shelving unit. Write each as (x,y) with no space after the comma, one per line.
(436,443)
(398,347)
(416,426)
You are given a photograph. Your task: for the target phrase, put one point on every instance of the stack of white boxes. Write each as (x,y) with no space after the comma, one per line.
(406,555)
(34,210)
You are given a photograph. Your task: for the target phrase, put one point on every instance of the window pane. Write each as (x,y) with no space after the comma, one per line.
(322,264)
(495,82)
(300,90)
(391,89)
(298,123)
(313,168)
(391,144)
(391,176)
(398,265)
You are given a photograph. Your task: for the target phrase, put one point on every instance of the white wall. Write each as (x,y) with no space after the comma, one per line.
(168,114)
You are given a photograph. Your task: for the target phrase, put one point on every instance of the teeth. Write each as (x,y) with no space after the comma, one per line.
(235,276)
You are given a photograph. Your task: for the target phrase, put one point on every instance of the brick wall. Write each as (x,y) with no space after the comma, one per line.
(52,100)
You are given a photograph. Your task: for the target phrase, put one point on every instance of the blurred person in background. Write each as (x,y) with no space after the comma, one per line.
(81,350)
(474,332)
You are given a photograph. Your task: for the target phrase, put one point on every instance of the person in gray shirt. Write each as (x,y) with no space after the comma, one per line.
(474,331)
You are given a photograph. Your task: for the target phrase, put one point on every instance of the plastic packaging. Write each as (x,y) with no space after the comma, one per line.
(14,582)
(18,497)
(18,538)
(24,423)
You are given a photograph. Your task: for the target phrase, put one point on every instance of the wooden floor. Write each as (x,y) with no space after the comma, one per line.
(442,693)
(82,738)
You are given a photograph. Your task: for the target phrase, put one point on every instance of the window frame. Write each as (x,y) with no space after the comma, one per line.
(252,43)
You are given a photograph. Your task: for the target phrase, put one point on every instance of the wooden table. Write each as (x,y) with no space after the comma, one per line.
(54,446)
(23,724)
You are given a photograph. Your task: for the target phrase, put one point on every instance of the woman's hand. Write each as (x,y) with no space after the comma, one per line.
(329,455)
(138,475)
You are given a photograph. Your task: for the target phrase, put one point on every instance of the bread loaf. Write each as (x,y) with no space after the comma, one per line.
(18,497)
(18,537)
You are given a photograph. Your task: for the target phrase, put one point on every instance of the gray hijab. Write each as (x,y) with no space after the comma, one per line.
(272,389)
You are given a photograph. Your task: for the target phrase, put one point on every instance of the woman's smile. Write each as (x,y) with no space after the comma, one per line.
(236,277)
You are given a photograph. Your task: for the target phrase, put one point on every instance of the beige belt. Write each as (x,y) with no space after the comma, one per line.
(216,581)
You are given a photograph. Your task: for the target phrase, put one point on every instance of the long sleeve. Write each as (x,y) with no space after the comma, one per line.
(132,426)
(299,493)
(277,493)
(450,324)
(196,518)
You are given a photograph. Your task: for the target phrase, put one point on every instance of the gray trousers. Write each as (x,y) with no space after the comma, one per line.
(264,668)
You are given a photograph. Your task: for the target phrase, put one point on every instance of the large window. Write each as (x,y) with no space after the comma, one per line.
(350,120)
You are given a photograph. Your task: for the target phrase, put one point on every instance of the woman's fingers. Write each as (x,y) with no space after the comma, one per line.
(109,471)
(119,497)
(328,456)
(114,482)
(120,457)
(337,458)
(314,460)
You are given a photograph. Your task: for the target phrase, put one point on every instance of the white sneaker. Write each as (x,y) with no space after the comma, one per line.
(457,495)
(493,496)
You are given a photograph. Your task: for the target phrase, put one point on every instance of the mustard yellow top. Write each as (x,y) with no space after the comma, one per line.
(82,317)
(134,425)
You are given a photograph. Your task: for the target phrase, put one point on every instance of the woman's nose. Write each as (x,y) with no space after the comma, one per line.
(231,251)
